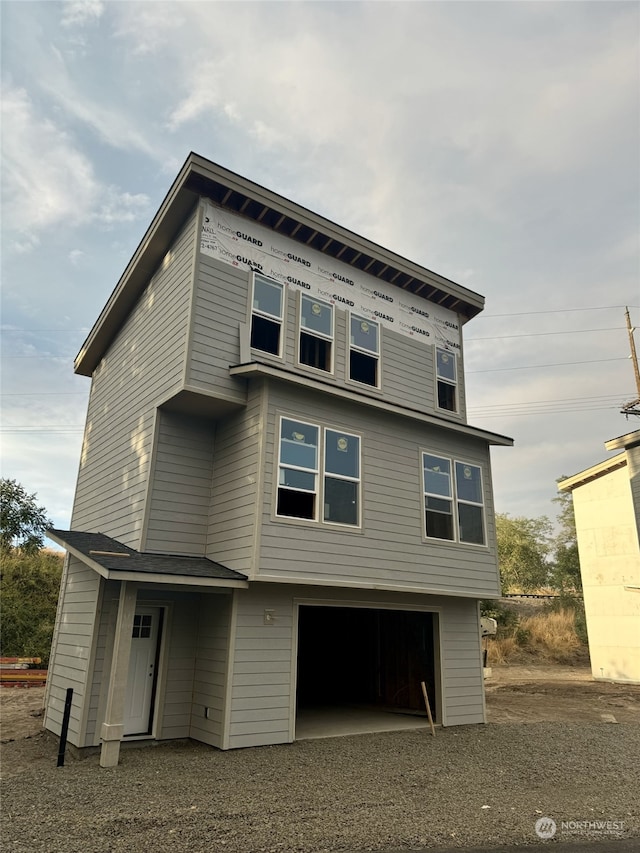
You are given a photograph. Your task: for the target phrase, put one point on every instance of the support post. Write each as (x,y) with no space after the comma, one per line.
(113,725)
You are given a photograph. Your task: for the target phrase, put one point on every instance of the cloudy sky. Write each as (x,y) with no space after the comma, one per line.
(495,143)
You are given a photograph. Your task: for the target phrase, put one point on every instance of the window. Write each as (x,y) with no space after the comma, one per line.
(442,493)
(364,351)
(470,503)
(266,314)
(438,497)
(447,379)
(299,472)
(316,333)
(341,477)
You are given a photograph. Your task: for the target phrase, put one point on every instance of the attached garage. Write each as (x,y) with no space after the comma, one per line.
(366,658)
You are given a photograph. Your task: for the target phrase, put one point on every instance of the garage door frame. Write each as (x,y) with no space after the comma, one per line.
(434,609)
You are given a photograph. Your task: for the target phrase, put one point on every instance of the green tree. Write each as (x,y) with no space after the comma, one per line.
(28,596)
(566,575)
(524,545)
(22,521)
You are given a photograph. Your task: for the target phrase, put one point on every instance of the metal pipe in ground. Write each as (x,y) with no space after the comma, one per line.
(65,727)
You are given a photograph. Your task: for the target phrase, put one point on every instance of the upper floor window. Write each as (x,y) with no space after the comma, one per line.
(306,482)
(266,314)
(453,500)
(447,379)
(316,333)
(341,477)
(364,351)
(298,470)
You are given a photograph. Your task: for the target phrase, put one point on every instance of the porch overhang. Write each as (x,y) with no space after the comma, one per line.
(114,561)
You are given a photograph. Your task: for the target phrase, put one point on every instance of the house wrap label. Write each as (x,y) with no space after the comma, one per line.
(233,240)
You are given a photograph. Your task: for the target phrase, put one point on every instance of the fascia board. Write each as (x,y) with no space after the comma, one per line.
(593,473)
(180,199)
(256,369)
(211,171)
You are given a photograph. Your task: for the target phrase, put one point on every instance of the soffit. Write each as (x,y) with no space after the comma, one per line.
(200,177)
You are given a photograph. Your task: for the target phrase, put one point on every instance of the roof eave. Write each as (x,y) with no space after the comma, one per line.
(198,173)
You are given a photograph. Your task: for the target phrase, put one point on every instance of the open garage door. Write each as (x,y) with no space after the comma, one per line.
(353,656)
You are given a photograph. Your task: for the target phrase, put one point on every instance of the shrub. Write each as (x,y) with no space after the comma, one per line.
(28,596)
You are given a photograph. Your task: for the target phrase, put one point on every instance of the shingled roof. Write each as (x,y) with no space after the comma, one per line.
(114,560)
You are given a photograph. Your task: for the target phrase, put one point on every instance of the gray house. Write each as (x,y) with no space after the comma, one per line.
(280,503)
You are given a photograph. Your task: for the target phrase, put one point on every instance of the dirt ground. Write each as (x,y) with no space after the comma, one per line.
(514,694)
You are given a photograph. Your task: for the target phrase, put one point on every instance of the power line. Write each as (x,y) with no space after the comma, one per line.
(47,394)
(541,334)
(554,311)
(542,366)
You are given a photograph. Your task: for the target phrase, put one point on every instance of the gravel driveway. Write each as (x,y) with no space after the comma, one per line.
(477,785)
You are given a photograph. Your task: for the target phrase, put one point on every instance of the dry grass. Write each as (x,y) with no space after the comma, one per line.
(549,637)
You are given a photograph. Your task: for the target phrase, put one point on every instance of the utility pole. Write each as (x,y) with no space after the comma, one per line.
(632,408)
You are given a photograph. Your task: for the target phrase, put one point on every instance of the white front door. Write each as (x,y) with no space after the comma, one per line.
(142,671)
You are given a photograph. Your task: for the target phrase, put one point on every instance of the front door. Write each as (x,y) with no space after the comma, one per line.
(141,684)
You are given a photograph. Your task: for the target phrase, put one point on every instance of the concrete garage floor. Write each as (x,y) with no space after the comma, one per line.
(341,720)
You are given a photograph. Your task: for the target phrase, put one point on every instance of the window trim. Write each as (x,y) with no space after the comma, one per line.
(445,381)
(316,472)
(456,501)
(319,520)
(312,333)
(357,480)
(352,347)
(256,312)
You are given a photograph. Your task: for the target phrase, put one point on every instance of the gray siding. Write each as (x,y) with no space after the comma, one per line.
(264,659)
(220,306)
(222,303)
(177,693)
(462,676)
(235,491)
(390,548)
(102,660)
(209,686)
(180,490)
(143,364)
(77,621)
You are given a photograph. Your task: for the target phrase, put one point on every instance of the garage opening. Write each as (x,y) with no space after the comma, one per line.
(360,669)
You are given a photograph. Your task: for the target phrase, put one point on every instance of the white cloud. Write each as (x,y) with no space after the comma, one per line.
(48,181)
(79,12)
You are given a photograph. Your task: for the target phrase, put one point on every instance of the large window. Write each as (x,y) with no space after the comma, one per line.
(341,477)
(447,379)
(316,333)
(364,351)
(266,314)
(306,481)
(298,470)
(453,500)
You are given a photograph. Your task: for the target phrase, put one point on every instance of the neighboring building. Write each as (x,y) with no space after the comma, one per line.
(280,502)
(606,501)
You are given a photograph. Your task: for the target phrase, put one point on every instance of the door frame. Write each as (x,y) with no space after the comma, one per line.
(435,609)
(141,606)
(166,609)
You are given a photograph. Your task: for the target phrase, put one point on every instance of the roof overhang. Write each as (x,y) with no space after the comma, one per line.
(624,442)
(593,473)
(114,561)
(258,369)
(200,177)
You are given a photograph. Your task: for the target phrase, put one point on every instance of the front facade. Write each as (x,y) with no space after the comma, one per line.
(280,503)
(606,501)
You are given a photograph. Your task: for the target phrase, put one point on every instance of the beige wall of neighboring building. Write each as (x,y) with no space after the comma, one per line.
(607,530)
